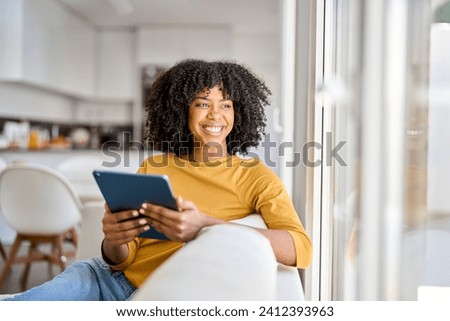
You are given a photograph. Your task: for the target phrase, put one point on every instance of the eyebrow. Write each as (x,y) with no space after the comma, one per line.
(205,98)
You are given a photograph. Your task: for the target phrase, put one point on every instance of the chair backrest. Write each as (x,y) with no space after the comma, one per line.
(80,167)
(37,199)
(78,170)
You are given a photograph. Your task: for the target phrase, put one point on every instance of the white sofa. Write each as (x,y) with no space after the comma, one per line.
(225,262)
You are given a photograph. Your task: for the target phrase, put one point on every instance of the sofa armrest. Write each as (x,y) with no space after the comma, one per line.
(216,266)
(224,262)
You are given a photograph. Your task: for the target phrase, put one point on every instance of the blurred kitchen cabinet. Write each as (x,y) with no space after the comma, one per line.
(59,48)
(103,113)
(44,44)
(116,75)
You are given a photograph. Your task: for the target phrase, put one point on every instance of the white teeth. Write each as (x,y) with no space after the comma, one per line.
(213,129)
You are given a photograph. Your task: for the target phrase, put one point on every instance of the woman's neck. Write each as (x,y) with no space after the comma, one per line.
(207,154)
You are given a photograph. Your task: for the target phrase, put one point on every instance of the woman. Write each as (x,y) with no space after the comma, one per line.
(200,115)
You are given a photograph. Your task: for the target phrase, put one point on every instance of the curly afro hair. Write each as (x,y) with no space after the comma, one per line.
(172,93)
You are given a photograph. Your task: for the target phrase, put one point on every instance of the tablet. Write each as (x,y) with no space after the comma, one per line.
(127,191)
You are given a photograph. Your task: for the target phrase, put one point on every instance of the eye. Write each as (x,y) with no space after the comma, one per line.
(227,106)
(201,105)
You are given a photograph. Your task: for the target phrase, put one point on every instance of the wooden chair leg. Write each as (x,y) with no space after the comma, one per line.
(52,258)
(11,259)
(26,271)
(58,256)
(59,253)
(2,251)
(74,237)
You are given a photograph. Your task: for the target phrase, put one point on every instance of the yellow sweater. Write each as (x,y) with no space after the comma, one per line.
(230,188)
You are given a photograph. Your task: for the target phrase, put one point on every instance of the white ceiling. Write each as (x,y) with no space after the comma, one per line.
(244,15)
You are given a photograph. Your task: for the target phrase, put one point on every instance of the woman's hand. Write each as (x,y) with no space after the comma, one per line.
(181,226)
(122,227)
(119,229)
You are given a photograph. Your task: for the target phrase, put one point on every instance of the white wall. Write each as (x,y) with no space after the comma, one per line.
(261,52)
(166,45)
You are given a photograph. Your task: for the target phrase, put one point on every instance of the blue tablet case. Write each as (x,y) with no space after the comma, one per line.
(125,191)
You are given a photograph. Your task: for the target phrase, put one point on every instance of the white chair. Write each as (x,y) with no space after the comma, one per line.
(78,170)
(42,206)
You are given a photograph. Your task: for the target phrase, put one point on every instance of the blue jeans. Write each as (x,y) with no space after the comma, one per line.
(89,280)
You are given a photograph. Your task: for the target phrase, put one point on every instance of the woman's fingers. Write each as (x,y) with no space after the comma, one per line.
(177,226)
(159,213)
(180,204)
(124,226)
(122,236)
(183,225)
(126,236)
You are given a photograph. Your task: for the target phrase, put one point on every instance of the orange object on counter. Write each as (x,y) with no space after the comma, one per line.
(33,140)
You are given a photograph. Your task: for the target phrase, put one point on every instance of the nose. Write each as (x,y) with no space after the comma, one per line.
(214,113)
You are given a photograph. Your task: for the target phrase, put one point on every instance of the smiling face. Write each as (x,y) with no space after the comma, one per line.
(211,118)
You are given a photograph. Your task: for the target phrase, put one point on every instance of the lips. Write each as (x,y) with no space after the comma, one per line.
(213,129)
